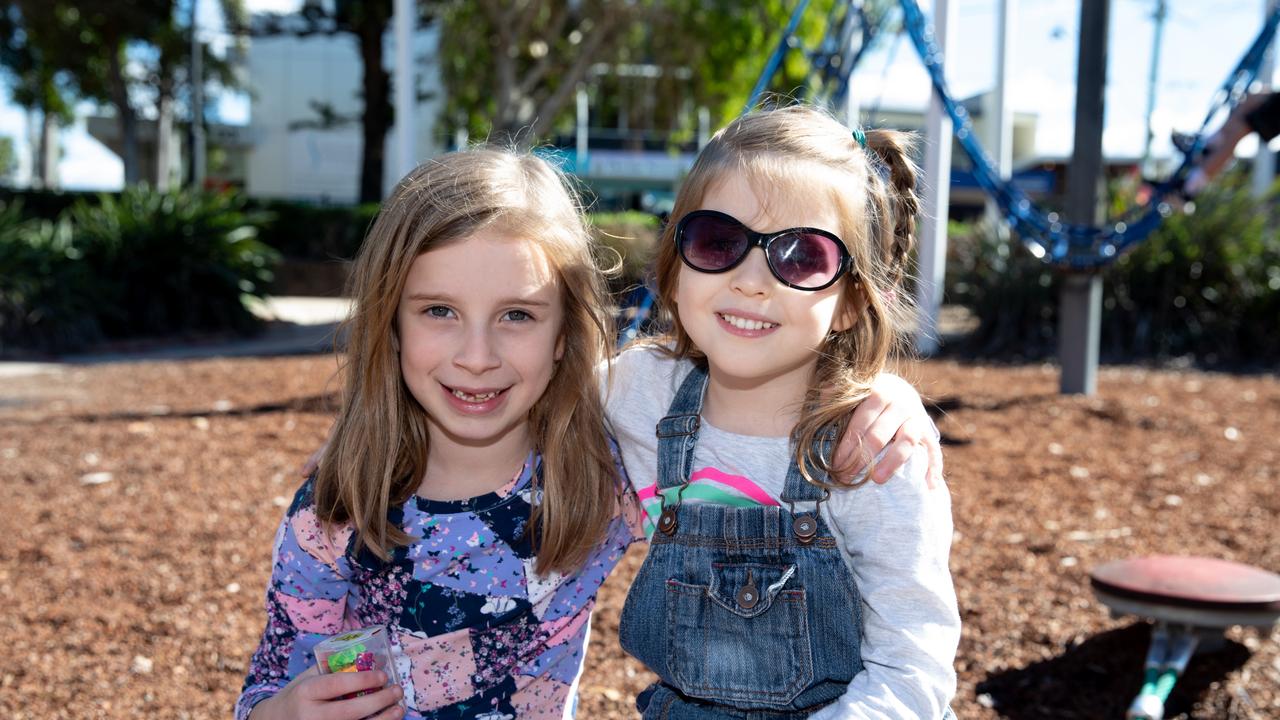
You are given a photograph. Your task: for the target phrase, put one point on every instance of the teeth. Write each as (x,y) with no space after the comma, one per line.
(475,398)
(745,324)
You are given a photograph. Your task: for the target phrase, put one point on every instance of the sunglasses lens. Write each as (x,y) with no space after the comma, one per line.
(711,244)
(805,260)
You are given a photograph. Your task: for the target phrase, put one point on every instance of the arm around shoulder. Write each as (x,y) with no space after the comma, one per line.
(898,537)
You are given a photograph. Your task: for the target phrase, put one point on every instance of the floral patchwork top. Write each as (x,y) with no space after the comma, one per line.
(476,632)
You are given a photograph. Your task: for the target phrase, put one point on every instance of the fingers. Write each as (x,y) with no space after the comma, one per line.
(869,430)
(897,454)
(383,704)
(332,686)
(865,416)
(913,431)
(916,432)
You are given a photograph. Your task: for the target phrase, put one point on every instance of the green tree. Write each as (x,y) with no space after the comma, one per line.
(167,71)
(99,32)
(8,159)
(36,82)
(121,54)
(511,66)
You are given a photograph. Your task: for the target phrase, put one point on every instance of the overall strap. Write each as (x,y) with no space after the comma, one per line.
(797,489)
(678,431)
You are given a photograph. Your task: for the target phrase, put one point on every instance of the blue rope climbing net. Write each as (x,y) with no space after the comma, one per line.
(1077,246)
(1045,235)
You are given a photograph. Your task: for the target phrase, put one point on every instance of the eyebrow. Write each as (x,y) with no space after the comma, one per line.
(430,297)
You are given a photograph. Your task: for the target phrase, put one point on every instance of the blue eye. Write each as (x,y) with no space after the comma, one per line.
(517,316)
(438,311)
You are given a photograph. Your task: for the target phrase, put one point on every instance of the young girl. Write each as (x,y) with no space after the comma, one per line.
(768,591)
(469,499)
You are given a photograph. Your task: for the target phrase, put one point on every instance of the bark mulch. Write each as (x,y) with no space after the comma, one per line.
(140,501)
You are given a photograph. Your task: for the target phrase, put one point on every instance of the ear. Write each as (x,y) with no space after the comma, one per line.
(560,347)
(848,311)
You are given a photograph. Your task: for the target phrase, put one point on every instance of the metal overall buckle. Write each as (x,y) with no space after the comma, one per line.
(805,526)
(667,521)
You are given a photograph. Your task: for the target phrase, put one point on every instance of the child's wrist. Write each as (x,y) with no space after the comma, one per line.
(263,709)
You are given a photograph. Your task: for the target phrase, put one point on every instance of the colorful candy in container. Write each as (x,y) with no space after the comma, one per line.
(356,651)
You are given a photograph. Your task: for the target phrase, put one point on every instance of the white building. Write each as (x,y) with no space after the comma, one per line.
(292,156)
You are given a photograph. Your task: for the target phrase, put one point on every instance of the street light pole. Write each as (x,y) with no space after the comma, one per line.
(1080,295)
(937,196)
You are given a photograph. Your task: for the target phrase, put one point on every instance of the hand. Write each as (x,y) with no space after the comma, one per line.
(892,415)
(312,696)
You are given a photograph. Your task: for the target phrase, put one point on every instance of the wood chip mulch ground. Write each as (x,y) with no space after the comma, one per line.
(140,499)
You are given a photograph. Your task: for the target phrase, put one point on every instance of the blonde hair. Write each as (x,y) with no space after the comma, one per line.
(794,156)
(379,450)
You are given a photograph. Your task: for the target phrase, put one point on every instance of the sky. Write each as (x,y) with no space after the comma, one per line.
(1202,42)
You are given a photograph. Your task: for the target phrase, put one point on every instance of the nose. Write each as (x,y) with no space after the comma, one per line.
(478,353)
(752,276)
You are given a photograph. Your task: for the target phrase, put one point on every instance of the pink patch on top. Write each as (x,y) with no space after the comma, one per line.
(314,615)
(325,546)
(440,668)
(567,628)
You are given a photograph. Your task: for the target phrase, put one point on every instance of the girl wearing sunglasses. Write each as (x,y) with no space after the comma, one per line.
(770,591)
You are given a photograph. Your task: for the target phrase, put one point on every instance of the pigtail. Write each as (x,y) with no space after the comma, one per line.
(891,149)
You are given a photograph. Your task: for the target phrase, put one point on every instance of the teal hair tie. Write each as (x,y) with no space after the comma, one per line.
(860,136)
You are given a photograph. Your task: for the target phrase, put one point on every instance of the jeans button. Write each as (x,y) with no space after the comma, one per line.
(805,528)
(667,521)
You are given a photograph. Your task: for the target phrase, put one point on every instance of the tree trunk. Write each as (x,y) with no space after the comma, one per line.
(164,139)
(376,119)
(127,119)
(46,164)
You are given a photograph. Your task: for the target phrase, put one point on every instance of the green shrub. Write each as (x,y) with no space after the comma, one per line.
(139,264)
(311,232)
(47,298)
(44,204)
(1012,293)
(1205,285)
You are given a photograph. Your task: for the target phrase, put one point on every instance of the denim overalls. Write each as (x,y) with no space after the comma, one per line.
(747,613)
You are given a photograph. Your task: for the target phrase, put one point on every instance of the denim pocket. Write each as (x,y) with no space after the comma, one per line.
(744,638)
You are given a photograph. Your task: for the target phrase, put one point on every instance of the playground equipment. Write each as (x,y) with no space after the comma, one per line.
(1191,601)
(1070,246)
(1073,246)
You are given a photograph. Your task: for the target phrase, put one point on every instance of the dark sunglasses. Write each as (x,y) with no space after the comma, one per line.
(801,258)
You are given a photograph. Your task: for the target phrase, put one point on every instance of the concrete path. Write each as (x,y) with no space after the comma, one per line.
(295,326)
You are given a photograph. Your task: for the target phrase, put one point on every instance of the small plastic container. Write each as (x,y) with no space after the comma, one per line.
(356,651)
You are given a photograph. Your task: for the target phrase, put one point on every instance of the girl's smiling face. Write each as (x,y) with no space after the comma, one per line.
(479,327)
(751,327)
